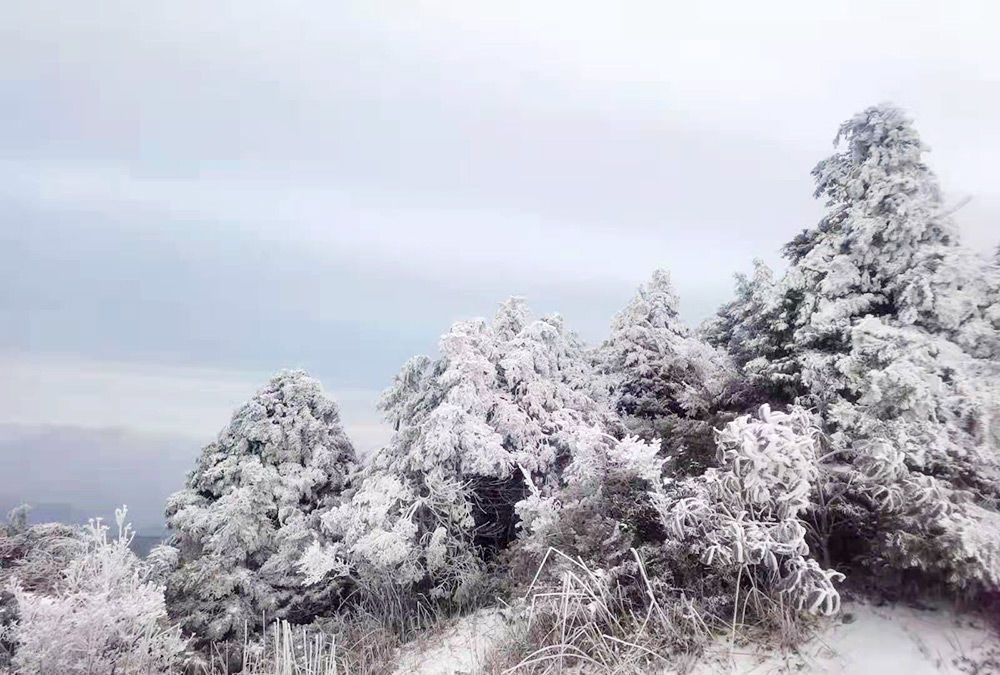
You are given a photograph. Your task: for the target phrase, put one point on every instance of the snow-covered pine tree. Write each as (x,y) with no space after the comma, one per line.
(665,380)
(487,437)
(754,330)
(886,248)
(252,505)
(890,336)
(642,354)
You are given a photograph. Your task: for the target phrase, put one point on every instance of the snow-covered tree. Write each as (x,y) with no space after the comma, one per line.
(754,329)
(102,616)
(486,436)
(886,248)
(665,381)
(886,327)
(252,505)
(642,352)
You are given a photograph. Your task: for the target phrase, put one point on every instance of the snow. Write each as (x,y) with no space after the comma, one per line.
(888,640)
(459,648)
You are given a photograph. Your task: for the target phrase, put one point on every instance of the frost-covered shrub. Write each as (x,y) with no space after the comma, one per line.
(747,517)
(927,525)
(599,507)
(37,555)
(487,439)
(250,508)
(102,616)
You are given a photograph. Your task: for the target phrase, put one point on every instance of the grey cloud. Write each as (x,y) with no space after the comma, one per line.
(329,185)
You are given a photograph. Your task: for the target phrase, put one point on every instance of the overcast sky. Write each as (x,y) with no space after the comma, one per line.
(195,194)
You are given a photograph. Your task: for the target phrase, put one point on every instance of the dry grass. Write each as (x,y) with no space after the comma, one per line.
(364,639)
(583,623)
(336,648)
(571,619)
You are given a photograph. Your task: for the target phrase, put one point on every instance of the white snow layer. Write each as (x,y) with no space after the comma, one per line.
(887,640)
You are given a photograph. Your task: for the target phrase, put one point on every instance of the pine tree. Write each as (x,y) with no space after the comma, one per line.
(889,335)
(886,249)
(665,380)
(754,330)
(252,505)
(642,352)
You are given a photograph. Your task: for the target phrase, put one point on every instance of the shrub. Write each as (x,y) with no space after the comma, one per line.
(37,555)
(747,517)
(102,617)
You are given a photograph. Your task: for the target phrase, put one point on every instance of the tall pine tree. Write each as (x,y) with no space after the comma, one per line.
(886,327)
(665,380)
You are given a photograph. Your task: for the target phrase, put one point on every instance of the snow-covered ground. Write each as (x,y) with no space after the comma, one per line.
(460,648)
(887,640)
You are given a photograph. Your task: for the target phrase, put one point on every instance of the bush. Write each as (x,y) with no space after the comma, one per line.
(747,517)
(102,617)
(37,555)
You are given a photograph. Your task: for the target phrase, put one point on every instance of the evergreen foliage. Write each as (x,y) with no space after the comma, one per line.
(667,382)
(250,508)
(886,327)
(488,440)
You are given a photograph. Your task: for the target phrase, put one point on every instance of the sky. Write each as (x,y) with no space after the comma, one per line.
(194,195)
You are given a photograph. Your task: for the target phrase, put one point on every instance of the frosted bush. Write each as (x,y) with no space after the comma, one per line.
(36,555)
(251,507)
(747,515)
(102,617)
